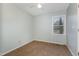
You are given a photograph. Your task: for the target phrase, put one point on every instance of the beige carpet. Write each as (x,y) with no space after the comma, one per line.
(38,48)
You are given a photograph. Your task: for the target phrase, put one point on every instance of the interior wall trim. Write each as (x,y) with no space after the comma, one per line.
(1,54)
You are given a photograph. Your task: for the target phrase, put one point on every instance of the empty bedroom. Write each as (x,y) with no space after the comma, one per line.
(38,29)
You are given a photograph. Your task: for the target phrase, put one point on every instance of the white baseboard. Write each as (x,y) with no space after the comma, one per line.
(50,41)
(71,51)
(14,48)
(35,40)
(27,43)
(59,44)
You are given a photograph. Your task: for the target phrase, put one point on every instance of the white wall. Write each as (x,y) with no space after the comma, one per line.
(78,28)
(72,28)
(0,27)
(43,28)
(16,27)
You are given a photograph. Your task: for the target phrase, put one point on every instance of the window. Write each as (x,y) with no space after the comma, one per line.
(58,24)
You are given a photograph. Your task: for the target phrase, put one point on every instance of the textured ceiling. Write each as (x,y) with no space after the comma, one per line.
(32,9)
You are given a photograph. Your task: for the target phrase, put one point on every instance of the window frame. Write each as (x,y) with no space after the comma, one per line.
(64,24)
